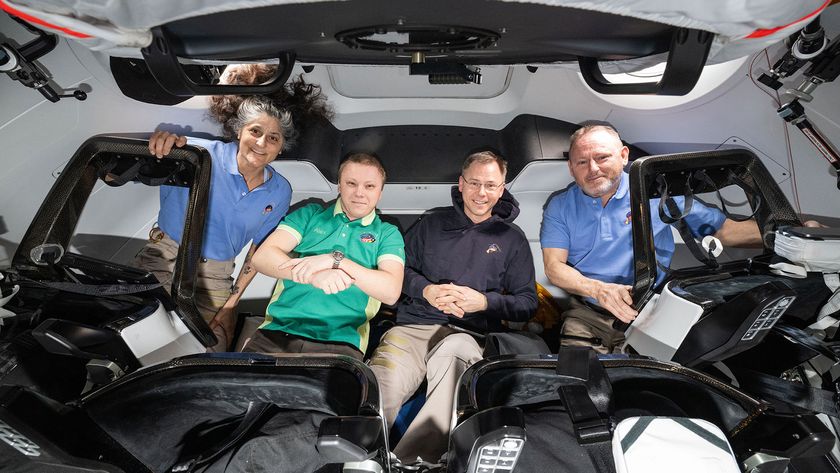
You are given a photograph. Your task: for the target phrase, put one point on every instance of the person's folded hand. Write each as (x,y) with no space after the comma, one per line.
(332,281)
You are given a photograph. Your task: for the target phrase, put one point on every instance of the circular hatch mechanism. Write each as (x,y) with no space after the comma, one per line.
(405,39)
(421,41)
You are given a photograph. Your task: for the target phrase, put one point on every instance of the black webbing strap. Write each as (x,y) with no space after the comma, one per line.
(807,340)
(117,172)
(158,174)
(254,412)
(116,177)
(591,428)
(676,218)
(601,456)
(794,394)
(673,215)
(701,176)
(574,362)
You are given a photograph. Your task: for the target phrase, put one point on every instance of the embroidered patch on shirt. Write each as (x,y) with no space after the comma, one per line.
(268,208)
(493,248)
(627,219)
(367,238)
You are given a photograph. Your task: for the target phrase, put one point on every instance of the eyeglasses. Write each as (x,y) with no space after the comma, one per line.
(476,186)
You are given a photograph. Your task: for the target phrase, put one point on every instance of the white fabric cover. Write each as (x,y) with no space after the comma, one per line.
(121,28)
(813,255)
(666,445)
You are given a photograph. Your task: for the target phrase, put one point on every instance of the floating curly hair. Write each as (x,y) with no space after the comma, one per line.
(307,104)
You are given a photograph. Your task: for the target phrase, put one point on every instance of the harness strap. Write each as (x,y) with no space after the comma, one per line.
(116,178)
(794,394)
(591,428)
(701,175)
(705,257)
(254,412)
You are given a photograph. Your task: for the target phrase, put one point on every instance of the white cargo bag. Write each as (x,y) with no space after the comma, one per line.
(671,444)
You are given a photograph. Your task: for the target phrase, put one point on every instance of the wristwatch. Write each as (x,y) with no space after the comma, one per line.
(337,255)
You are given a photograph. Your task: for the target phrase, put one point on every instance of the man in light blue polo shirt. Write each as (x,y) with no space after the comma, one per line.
(587,241)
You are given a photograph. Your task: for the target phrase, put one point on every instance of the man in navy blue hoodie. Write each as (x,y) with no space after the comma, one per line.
(468,266)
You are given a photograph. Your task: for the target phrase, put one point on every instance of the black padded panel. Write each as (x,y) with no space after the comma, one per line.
(638,387)
(154,412)
(136,81)
(529,33)
(420,153)
(434,153)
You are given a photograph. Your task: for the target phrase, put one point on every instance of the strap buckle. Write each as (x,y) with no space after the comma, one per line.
(592,431)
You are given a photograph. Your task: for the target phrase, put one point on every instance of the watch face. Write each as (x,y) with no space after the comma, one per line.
(337,257)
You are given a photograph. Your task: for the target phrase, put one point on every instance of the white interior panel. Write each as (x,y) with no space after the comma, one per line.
(354,82)
(662,325)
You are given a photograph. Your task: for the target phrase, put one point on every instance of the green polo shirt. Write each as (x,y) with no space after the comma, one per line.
(306,311)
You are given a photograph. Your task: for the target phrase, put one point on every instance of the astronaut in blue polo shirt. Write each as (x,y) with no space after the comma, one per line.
(587,241)
(247,200)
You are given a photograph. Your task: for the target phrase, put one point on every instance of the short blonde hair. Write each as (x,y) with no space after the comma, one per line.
(367,159)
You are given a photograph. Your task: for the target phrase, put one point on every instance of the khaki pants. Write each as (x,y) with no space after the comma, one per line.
(406,356)
(212,283)
(582,321)
(275,341)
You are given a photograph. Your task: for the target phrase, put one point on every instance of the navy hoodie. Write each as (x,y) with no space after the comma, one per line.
(492,257)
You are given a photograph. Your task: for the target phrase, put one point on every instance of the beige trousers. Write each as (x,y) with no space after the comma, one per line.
(212,283)
(408,354)
(583,321)
(275,341)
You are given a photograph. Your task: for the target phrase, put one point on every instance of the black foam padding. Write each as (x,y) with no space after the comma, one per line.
(434,153)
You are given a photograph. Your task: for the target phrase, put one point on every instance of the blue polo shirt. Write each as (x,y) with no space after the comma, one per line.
(600,239)
(235,216)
